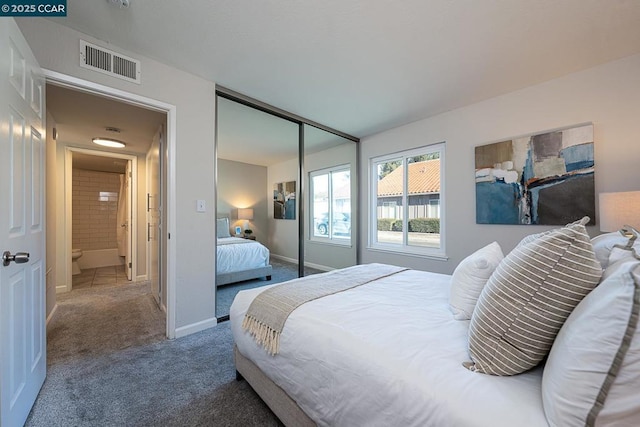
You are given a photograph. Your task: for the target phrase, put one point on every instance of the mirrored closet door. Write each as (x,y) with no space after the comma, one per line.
(272,224)
(331,213)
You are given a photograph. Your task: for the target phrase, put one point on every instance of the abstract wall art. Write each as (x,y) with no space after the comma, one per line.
(545,178)
(284,200)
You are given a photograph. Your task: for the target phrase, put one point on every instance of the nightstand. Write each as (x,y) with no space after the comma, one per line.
(249,236)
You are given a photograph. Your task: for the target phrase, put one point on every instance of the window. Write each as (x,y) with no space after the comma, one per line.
(406,201)
(331,205)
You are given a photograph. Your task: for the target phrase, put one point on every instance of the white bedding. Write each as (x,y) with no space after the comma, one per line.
(236,254)
(388,353)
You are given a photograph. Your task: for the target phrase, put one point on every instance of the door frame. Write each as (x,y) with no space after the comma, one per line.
(68,219)
(170,110)
(159,289)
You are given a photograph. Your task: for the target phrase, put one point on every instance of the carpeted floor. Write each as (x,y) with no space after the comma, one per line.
(282,271)
(109,365)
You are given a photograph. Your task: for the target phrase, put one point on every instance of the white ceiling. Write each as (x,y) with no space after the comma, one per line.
(80,116)
(361,66)
(244,134)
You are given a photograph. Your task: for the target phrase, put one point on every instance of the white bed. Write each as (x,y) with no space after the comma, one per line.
(344,363)
(239,259)
(550,334)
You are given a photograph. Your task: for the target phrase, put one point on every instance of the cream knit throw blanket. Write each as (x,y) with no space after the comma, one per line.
(268,312)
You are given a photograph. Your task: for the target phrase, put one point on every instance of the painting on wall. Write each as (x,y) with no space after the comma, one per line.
(284,200)
(545,179)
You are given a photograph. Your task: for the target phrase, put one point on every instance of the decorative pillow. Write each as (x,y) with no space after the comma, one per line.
(531,237)
(592,374)
(618,257)
(603,244)
(528,298)
(469,278)
(222,227)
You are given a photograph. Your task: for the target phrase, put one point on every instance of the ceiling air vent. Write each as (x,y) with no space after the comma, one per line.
(108,62)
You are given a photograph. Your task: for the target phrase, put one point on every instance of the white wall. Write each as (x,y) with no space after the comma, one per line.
(282,233)
(57,48)
(607,95)
(241,185)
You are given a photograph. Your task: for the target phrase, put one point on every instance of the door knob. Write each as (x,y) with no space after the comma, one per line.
(19,258)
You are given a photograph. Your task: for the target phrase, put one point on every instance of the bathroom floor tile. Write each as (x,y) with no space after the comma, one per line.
(115,275)
(106,271)
(81,284)
(84,279)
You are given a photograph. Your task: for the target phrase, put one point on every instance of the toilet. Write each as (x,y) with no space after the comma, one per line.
(75,254)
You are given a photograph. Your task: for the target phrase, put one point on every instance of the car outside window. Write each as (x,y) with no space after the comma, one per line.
(331,205)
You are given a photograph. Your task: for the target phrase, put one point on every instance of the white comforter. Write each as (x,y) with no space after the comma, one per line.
(236,254)
(388,353)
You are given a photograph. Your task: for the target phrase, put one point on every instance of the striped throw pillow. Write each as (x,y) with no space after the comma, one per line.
(528,298)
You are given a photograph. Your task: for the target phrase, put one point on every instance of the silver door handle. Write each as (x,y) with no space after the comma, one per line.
(19,258)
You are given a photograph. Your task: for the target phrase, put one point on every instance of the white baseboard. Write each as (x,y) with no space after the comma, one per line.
(284,258)
(307,264)
(318,266)
(61,289)
(50,316)
(183,331)
(141,278)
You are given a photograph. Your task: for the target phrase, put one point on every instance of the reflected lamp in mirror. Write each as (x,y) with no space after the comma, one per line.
(619,209)
(246,215)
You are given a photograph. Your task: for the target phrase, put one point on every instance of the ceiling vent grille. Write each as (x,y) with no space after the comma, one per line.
(108,62)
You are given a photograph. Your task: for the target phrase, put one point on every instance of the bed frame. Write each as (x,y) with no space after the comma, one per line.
(285,408)
(239,276)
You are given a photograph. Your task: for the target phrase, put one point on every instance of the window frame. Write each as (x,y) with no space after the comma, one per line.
(405,247)
(329,238)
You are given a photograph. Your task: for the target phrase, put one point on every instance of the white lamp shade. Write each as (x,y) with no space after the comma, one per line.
(619,209)
(245,213)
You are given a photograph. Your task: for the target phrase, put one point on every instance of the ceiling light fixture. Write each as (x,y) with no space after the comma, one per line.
(109,142)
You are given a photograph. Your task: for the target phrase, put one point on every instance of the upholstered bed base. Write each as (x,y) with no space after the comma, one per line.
(239,276)
(276,399)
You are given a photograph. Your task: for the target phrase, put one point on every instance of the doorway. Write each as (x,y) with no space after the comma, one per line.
(146,119)
(103,192)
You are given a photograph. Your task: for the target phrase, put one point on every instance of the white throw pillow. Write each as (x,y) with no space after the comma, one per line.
(618,258)
(469,278)
(222,227)
(603,244)
(592,375)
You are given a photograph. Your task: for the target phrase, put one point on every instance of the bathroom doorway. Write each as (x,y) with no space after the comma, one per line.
(98,197)
(103,214)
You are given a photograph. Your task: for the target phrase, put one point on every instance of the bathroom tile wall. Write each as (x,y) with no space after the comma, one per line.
(95,205)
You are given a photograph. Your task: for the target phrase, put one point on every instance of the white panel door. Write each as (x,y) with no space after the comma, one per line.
(127,225)
(154,217)
(22,284)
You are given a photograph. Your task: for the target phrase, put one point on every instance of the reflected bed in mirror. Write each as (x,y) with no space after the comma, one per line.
(239,259)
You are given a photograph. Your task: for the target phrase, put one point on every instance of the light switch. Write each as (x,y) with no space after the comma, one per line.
(201,206)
